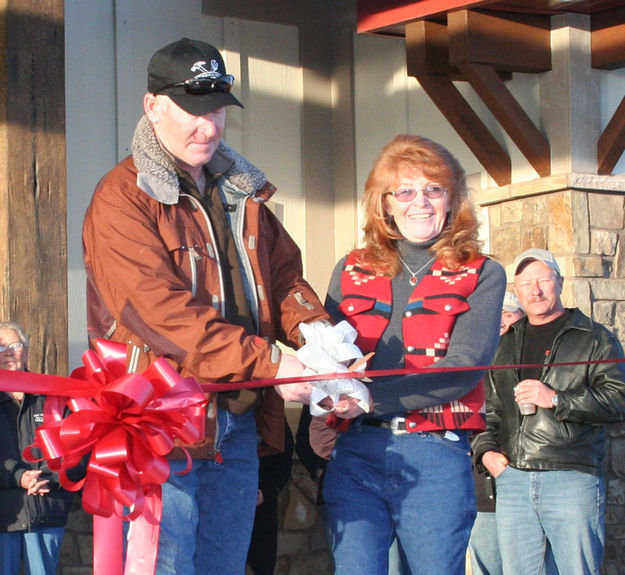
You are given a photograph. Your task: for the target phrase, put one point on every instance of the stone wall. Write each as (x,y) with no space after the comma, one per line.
(581,219)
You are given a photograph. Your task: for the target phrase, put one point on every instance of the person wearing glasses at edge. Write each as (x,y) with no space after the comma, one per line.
(419,293)
(33,505)
(185,261)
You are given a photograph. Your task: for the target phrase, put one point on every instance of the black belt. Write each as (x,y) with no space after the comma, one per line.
(398,426)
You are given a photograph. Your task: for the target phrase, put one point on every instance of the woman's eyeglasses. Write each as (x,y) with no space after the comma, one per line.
(431,192)
(17,346)
(203,86)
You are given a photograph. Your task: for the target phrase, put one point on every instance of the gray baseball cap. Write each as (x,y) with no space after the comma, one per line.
(511,303)
(544,256)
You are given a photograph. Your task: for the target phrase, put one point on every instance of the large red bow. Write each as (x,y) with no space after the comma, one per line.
(125,426)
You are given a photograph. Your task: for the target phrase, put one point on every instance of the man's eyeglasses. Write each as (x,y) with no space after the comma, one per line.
(17,346)
(431,192)
(203,86)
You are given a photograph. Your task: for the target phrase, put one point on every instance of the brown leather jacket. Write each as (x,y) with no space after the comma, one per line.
(154,280)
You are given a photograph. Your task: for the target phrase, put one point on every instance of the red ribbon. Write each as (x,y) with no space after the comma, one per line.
(125,424)
(371,373)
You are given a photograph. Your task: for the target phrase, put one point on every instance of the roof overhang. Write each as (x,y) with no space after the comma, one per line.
(390,16)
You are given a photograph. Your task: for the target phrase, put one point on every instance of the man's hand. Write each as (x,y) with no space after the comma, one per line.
(31,482)
(495,462)
(290,366)
(534,391)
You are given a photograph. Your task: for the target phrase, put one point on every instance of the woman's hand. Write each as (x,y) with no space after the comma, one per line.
(347,407)
(31,482)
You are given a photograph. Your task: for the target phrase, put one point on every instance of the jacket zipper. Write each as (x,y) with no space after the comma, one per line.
(546,367)
(222,303)
(193,258)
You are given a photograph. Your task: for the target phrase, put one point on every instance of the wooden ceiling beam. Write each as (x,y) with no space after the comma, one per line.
(607,38)
(483,43)
(507,42)
(611,143)
(478,47)
(427,59)
(427,49)
(469,126)
(510,115)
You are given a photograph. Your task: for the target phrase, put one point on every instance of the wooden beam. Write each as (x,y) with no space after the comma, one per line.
(507,42)
(611,143)
(608,39)
(509,113)
(468,125)
(33,277)
(427,49)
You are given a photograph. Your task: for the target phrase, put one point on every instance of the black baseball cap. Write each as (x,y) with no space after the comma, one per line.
(188,61)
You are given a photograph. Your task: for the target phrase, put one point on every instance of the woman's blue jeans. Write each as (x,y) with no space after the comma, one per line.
(417,487)
(563,508)
(208,513)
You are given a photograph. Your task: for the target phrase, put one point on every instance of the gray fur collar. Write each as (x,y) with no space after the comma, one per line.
(157,174)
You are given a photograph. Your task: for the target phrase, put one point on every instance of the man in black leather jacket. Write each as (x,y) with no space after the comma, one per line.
(549,465)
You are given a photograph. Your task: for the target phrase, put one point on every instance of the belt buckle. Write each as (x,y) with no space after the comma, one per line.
(395,422)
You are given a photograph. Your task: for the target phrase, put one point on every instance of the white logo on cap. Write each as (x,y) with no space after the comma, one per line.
(204,73)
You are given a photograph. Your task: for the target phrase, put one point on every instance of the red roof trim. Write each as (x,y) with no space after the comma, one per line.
(372,17)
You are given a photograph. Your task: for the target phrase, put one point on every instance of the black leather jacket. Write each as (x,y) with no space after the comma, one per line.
(571,436)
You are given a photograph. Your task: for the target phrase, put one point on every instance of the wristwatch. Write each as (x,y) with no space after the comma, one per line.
(554,401)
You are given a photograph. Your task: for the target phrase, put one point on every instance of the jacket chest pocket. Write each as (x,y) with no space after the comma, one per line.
(352,306)
(189,253)
(446,305)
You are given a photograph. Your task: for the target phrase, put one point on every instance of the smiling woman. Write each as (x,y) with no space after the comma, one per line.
(417,294)
(418,206)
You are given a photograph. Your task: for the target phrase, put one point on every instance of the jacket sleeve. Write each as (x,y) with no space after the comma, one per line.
(602,399)
(11,473)
(335,294)
(131,270)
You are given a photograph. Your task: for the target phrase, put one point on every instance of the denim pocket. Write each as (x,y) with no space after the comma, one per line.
(461,445)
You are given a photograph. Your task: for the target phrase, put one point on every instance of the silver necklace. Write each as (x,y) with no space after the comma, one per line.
(413,280)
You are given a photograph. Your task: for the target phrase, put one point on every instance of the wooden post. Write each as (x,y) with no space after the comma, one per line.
(33,239)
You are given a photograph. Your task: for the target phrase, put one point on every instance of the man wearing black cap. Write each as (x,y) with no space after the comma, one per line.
(548,460)
(185,261)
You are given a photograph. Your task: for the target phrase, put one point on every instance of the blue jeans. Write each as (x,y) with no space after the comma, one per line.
(39,549)
(417,487)
(483,546)
(564,509)
(208,513)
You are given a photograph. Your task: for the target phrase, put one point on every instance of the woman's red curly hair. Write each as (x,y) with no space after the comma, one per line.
(458,242)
